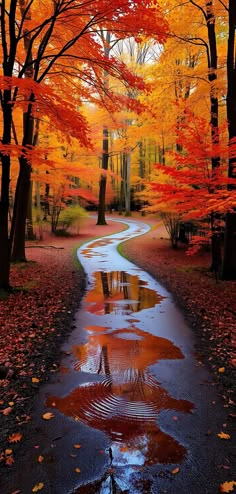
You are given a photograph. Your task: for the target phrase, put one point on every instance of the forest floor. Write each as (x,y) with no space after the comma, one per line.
(209,304)
(36,317)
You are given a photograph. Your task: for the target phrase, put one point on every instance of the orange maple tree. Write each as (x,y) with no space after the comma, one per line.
(57,39)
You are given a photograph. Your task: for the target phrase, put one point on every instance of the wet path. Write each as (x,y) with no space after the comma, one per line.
(134,412)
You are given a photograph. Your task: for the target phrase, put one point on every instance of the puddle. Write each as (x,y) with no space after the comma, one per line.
(126,402)
(120,293)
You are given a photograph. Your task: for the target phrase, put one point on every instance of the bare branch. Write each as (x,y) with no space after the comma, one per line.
(199,7)
(225,7)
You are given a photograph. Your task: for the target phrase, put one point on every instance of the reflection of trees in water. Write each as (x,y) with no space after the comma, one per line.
(104,362)
(126,404)
(133,376)
(129,350)
(107,484)
(111,288)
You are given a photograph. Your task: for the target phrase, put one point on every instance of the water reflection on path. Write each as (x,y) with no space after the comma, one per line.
(133,412)
(122,346)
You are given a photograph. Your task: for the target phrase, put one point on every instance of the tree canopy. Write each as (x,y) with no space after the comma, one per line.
(134,99)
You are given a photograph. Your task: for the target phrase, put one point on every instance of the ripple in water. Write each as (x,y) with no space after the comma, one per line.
(126,403)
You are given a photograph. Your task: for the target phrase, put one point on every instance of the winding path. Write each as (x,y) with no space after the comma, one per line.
(132,405)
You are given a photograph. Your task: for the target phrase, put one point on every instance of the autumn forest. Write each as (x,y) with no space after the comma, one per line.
(123,105)
(117,118)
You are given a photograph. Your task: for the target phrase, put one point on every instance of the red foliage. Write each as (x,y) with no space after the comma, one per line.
(193,187)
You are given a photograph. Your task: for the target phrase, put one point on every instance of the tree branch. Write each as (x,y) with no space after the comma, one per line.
(199,7)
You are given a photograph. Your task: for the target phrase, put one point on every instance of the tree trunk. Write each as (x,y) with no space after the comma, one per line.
(18,248)
(4,199)
(4,208)
(29,216)
(101,220)
(214,107)
(229,263)
(127,185)
(22,195)
(24,189)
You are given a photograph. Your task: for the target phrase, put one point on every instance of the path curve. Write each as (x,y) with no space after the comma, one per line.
(132,407)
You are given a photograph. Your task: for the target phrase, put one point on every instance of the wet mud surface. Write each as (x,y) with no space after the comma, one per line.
(133,410)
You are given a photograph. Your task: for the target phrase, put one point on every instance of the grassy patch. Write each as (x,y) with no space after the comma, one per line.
(29,285)
(192,269)
(121,251)
(22,264)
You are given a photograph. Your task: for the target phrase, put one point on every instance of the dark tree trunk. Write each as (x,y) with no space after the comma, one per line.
(29,218)
(22,195)
(229,263)
(101,220)
(18,247)
(4,208)
(8,47)
(214,107)
(4,199)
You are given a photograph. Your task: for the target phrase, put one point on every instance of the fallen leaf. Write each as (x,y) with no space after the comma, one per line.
(8,452)
(227,486)
(38,487)
(35,380)
(221,369)
(9,461)
(77,470)
(77,446)
(222,435)
(14,438)
(6,411)
(48,416)
(40,458)
(11,403)
(176,470)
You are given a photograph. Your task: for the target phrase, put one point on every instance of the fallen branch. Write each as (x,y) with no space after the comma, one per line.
(44,246)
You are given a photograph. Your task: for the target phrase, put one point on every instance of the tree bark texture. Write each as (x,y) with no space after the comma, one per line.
(229,263)
(4,199)
(101,220)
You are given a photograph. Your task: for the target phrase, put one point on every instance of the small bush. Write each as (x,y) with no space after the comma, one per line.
(70,216)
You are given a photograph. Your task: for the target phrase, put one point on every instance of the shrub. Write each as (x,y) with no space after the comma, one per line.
(71,216)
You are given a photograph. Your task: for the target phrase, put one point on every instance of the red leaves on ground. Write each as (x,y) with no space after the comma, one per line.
(28,320)
(15,438)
